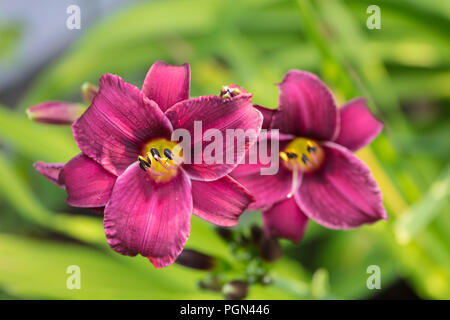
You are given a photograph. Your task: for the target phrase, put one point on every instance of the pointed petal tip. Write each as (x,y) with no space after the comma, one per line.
(167,84)
(298,73)
(221,201)
(167,260)
(358,126)
(285,220)
(50,171)
(306,107)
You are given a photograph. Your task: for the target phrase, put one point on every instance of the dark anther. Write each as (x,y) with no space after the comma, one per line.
(141,165)
(291,155)
(311,149)
(155,153)
(168,154)
(304,158)
(143,162)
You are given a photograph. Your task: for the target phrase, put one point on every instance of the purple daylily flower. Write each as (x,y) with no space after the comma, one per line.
(128,164)
(319,178)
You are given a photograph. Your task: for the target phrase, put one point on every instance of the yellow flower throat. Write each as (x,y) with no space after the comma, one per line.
(160,159)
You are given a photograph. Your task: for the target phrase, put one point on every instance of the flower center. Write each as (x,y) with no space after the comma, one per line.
(160,159)
(301,155)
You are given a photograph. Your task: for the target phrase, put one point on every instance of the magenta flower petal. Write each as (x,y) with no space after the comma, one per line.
(358,125)
(50,171)
(149,218)
(267,189)
(221,201)
(56,112)
(216,113)
(87,183)
(166,84)
(285,220)
(306,107)
(343,194)
(267,115)
(118,123)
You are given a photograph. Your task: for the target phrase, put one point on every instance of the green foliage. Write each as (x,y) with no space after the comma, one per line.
(403,69)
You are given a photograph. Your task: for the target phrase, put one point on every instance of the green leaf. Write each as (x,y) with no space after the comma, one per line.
(33,268)
(418,216)
(35,140)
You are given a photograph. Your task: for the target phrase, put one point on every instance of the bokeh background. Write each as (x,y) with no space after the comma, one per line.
(403,69)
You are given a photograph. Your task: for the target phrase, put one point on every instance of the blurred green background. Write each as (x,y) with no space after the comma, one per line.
(403,69)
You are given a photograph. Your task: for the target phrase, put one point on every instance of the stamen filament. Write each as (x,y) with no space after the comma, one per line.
(162,164)
(156,173)
(169,165)
(294,182)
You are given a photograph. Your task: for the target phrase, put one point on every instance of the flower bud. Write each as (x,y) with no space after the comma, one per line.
(51,171)
(256,234)
(195,260)
(235,290)
(210,283)
(270,249)
(88,91)
(225,233)
(55,112)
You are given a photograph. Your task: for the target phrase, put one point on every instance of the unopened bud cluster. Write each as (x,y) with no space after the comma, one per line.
(253,252)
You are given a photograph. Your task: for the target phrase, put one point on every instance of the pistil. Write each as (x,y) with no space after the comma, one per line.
(294,183)
(301,156)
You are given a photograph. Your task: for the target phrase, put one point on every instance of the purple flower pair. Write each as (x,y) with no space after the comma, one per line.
(319,177)
(130,168)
